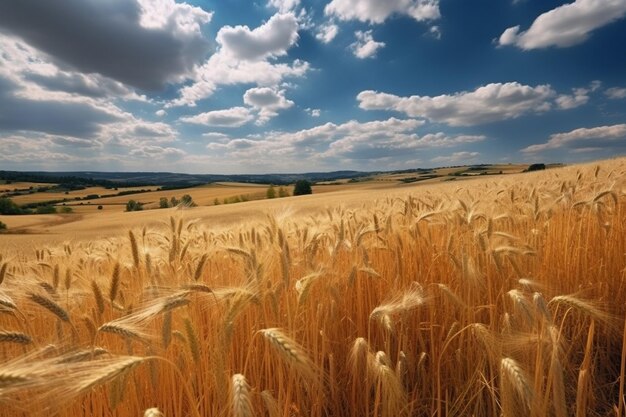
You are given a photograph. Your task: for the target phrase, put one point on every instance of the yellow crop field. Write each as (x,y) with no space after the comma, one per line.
(19,185)
(494,296)
(203,196)
(71,195)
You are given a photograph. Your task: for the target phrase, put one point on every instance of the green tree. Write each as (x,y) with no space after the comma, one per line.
(66,209)
(47,209)
(271,192)
(216,202)
(3,226)
(282,192)
(536,167)
(163,203)
(187,201)
(302,187)
(174,202)
(7,206)
(133,205)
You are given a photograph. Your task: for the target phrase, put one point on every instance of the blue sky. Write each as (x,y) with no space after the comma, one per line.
(235,86)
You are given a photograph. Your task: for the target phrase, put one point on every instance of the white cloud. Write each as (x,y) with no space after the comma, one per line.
(486,104)
(158,152)
(579,98)
(351,141)
(463,157)
(616,93)
(566,25)
(327,33)
(141,43)
(245,56)
(580,138)
(435,32)
(313,112)
(379,144)
(233,117)
(215,136)
(585,150)
(377,11)
(284,6)
(267,101)
(181,18)
(269,40)
(160,113)
(31,70)
(509,36)
(365,45)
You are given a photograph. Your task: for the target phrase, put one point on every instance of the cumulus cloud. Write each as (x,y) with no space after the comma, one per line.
(353,141)
(62,116)
(267,101)
(246,56)
(16,150)
(215,136)
(365,45)
(615,93)
(140,43)
(457,157)
(313,112)
(30,69)
(486,104)
(376,11)
(92,85)
(108,146)
(326,33)
(566,25)
(579,97)
(269,40)
(581,138)
(284,6)
(158,152)
(233,117)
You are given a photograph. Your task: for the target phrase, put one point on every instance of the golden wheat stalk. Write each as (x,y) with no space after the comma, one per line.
(192,340)
(271,404)
(153,412)
(50,305)
(98,297)
(516,388)
(15,337)
(200,267)
(240,398)
(3,271)
(291,353)
(115,282)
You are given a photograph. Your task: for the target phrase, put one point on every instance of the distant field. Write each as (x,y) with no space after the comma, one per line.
(206,195)
(71,195)
(202,196)
(7,188)
(112,219)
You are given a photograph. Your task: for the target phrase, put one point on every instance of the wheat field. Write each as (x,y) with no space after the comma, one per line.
(490,297)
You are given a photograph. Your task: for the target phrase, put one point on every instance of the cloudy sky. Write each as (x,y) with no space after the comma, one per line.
(237,86)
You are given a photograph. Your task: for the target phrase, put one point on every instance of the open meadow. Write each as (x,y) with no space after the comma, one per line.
(493,296)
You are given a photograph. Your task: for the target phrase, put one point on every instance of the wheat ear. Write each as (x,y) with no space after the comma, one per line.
(240,397)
